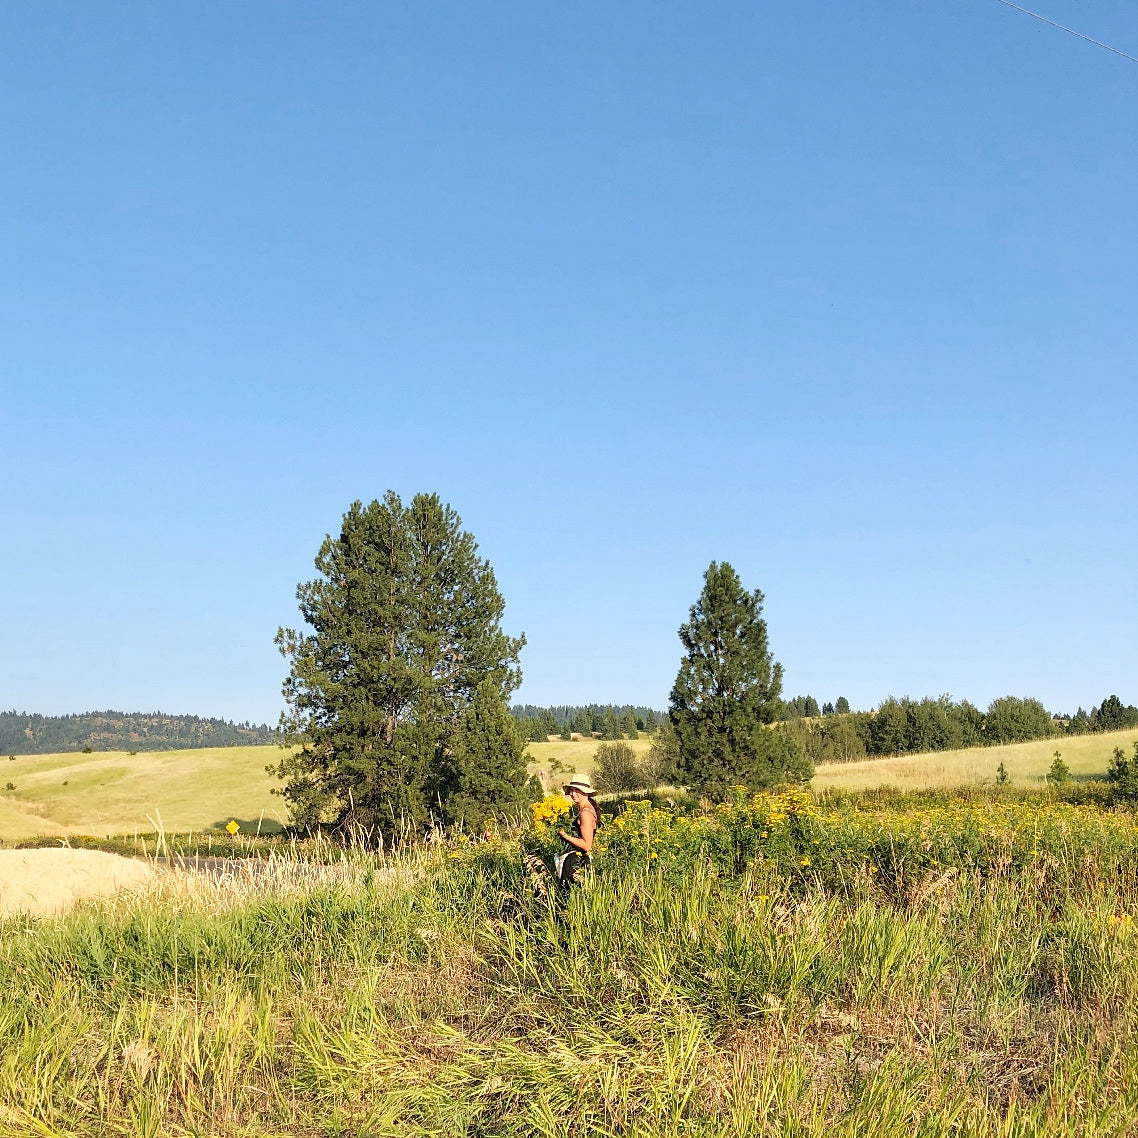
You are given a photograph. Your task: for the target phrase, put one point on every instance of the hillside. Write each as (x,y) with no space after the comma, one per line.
(1026,764)
(22,733)
(116,793)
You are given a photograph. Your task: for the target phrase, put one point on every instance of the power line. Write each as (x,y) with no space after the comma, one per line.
(1064,28)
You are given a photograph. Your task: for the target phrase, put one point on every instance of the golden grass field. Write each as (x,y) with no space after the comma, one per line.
(111,792)
(1026,764)
(115,793)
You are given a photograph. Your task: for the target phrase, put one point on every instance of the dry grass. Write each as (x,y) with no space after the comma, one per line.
(111,792)
(50,881)
(558,761)
(1025,763)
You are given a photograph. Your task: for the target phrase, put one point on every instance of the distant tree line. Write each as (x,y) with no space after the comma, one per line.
(22,733)
(600,720)
(908,726)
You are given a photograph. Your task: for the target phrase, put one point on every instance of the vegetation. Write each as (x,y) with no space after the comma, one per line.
(404,640)
(617,767)
(25,734)
(773,966)
(1025,764)
(728,693)
(595,720)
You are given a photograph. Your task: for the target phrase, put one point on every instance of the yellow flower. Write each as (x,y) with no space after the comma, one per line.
(805,861)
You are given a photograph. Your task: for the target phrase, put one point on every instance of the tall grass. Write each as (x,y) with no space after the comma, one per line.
(456,992)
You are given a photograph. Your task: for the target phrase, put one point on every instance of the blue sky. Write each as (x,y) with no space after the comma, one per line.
(843,294)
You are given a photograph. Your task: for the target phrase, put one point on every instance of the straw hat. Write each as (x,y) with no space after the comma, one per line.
(582,784)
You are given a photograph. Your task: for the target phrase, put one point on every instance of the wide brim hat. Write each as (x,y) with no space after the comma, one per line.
(582,784)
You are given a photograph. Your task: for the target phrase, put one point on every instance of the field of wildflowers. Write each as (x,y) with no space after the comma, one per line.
(774,965)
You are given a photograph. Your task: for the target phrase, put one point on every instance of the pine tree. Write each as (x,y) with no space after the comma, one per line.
(403,629)
(727,694)
(484,771)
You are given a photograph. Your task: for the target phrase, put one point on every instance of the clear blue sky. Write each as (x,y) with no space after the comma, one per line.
(844,294)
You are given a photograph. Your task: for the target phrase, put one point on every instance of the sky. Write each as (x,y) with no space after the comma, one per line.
(843,294)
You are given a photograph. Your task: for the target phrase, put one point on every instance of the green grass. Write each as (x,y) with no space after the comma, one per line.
(739,999)
(1025,763)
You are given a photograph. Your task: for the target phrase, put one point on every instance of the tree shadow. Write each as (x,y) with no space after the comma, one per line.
(251,826)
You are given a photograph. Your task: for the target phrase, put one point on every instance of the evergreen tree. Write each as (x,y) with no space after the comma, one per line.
(483,774)
(403,629)
(610,726)
(629,726)
(810,708)
(842,707)
(1113,715)
(727,694)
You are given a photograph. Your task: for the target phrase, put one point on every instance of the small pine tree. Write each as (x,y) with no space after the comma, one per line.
(1001,775)
(1122,774)
(1059,772)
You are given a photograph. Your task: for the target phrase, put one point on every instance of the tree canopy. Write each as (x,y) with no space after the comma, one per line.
(393,688)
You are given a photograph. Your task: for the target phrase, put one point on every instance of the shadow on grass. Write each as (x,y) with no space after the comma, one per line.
(251,826)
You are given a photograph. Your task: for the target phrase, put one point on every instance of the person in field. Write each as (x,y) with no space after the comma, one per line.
(582,829)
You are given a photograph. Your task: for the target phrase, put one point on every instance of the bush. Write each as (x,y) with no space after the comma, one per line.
(616,767)
(1122,774)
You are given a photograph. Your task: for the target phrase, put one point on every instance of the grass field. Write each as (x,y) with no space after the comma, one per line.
(111,792)
(557,762)
(1026,764)
(766,969)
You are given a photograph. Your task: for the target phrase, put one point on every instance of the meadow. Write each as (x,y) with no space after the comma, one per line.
(940,965)
(1026,764)
(114,793)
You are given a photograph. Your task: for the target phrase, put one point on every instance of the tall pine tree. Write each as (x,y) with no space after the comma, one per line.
(403,635)
(727,695)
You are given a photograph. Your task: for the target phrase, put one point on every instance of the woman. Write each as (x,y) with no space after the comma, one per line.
(582,830)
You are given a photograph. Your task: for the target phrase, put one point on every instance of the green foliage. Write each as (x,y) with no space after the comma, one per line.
(832,739)
(1013,720)
(483,774)
(1122,774)
(616,767)
(122,731)
(1058,773)
(728,692)
(889,969)
(1113,715)
(1001,775)
(662,762)
(842,707)
(403,629)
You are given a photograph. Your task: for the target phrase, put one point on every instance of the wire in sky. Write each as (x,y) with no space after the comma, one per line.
(1064,28)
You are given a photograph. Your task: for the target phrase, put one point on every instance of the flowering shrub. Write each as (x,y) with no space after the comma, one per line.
(1056,843)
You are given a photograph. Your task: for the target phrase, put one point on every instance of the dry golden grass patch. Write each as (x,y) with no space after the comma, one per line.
(49,881)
